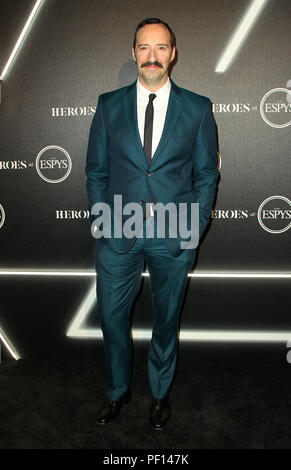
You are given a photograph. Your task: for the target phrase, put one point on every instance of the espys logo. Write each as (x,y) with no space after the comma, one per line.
(274,214)
(2,216)
(53,164)
(275,107)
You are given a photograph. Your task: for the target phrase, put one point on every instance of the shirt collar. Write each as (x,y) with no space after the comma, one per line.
(143,92)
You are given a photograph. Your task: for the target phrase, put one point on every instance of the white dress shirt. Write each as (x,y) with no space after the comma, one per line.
(160,104)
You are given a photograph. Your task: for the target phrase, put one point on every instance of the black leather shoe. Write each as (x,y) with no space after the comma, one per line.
(160,412)
(114,408)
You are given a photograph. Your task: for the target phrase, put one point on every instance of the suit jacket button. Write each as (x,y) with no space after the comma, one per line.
(141,202)
(148,173)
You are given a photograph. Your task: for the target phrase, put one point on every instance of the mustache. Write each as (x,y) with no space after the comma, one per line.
(158,64)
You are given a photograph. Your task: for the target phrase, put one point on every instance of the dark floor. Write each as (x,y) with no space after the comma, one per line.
(224,397)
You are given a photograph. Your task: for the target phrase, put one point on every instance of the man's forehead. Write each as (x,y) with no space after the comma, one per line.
(153,32)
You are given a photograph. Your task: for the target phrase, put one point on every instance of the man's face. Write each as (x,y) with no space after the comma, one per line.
(153,54)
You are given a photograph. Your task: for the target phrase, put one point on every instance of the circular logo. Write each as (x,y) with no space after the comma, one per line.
(274,214)
(275,107)
(53,164)
(2,216)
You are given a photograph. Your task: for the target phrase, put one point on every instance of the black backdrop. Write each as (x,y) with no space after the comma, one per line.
(77,49)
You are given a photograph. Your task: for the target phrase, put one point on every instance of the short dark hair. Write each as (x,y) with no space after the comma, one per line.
(155,21)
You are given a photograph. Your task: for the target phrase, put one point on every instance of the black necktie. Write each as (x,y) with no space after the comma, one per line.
(148,134)
(148,128)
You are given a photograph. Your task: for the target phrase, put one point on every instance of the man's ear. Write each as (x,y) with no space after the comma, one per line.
(173,55)
(133,54)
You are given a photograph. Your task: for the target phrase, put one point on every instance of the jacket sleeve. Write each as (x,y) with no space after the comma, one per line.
(97,165)
(205,172)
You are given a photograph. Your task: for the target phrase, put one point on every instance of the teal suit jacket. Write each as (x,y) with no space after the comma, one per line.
(183,167)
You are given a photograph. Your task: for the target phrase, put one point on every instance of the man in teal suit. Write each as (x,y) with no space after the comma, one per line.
(150,142)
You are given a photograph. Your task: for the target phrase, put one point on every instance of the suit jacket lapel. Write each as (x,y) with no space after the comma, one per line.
(130,107)
(173,112)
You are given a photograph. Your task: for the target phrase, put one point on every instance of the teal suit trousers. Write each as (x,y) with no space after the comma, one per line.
(118,282)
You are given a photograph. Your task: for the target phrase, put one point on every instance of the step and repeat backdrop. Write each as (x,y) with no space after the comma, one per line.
(235,52)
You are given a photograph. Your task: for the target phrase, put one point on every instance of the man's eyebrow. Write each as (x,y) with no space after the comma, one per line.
(145,44)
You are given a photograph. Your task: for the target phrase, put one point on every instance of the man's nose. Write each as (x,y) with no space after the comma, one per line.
(152,55)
